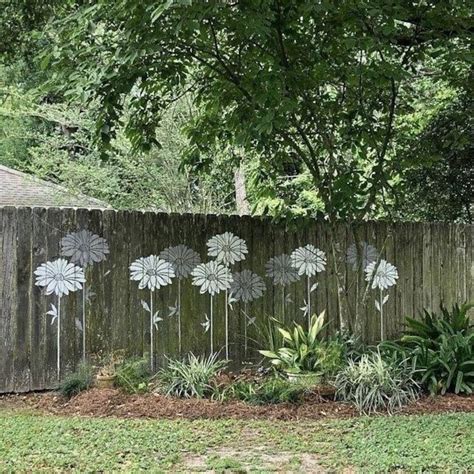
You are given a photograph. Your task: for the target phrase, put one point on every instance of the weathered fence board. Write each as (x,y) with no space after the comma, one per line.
(434,261)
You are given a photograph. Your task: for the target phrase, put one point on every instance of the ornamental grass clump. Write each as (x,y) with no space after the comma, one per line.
(191,377)
(374,384)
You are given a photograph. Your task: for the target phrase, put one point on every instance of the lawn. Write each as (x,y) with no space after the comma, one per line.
(33,441)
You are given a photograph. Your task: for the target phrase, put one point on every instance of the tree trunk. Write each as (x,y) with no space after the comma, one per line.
(240,192)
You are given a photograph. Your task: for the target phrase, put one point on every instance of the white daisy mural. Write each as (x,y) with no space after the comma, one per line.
(381,275)
(212,278)
(227,249)
(59,277)
(362,256)
(152,272)
(308,260)
(280,270)
(246,286)
(84,248)
(184,260)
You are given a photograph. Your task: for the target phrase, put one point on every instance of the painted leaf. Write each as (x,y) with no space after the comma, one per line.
(145,306)
(377,305)
(53,311)
(385,299)
(313,287)
(78,324)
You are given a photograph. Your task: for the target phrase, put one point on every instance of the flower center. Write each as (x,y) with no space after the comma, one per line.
(59,277)
(152,272)
(211,277)
(83,247)
(226,248)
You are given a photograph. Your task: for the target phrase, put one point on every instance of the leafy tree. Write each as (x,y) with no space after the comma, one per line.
(438,186)
(319,82)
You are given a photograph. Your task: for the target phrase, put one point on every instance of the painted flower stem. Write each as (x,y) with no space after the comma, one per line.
(58,355)
(308,286)
(381,316)
(211,325)
(283,303)
(179,316)
(84,323)
(227,324)
(152,362)
(245,330)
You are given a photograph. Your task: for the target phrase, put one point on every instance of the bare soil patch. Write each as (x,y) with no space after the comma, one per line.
(115,403)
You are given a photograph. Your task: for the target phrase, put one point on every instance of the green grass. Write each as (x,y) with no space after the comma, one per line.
(32,442)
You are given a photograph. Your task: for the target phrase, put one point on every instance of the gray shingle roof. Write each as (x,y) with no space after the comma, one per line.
(20,189)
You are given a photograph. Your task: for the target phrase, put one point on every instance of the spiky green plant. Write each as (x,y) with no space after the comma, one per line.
(300,347)
(375,384)
(191,377)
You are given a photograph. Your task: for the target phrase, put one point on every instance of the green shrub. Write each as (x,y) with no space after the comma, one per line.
(374,383)
(441,350)
(331,357)
(78,381)
(300,347)
(192,377)
(270,391)
(133,375)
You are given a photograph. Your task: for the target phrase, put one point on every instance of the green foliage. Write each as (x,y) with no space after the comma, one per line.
(133,375)
(331,357)
(313,88)
(269,391)
(33,442)
(436,180)
(78,381)
(191,377)
(374,384)
(441,349)
(300,347)
(269,334)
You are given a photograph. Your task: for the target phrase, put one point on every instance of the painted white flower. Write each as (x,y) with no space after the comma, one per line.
(386,274)
(308,260)
(367,254)
(280,270)
(59,277)
(212,277)
(152,272)
(247,286)
(227,248)
(182,258)
(84,247)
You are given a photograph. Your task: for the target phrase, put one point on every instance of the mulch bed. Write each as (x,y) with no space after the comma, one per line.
(115,403)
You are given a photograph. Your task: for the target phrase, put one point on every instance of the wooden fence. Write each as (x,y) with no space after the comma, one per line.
(434,261)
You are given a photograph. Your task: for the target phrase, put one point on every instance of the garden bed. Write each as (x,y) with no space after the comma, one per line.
(115,403)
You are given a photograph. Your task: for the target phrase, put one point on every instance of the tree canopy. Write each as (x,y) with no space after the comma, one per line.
(323,102)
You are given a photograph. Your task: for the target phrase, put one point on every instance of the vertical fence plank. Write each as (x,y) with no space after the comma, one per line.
(9,297)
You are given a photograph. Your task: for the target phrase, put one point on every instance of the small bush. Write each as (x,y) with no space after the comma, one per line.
(271,391)
(441,349)
(192,377)
(331,358)
(133,375)
(299,351)
(78,381)
(373,384)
